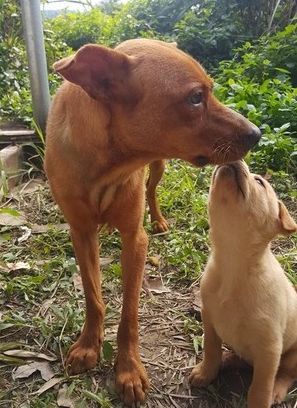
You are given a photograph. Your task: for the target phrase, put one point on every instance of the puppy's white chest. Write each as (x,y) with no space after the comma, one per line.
(233,312)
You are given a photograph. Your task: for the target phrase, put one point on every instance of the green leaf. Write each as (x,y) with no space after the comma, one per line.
(107,350)
(10,211)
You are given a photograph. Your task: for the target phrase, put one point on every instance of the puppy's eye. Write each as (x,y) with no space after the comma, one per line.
(196,98)
(260,181)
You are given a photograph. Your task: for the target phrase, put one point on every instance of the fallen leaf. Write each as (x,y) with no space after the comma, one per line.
(45,306)
(49,384)
(28,369)
(28,188)
(10,360)
(16,266)
(196,303)
(105,261)
(10,211)
(10,266)
(29,354)
(26,235)
(63,400)
(77,282)
(24,371)
(12,220)
(154,284)
(46,371)
(4,346)
(107,350)
(154,260)
(42,229)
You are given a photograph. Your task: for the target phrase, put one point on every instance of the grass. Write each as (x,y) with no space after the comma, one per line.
(42,304)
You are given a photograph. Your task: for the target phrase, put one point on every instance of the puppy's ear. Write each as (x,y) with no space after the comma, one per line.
(99,70)
(287,224)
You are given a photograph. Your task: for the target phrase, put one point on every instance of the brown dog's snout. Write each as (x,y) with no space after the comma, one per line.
(252,138)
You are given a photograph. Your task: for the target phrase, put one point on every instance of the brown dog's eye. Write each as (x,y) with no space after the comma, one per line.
(196,98)
(260,181)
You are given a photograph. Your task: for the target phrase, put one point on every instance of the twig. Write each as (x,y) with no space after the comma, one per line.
(60,339)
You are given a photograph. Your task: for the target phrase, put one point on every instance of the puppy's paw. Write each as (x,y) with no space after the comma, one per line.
(201,376)
(280,390)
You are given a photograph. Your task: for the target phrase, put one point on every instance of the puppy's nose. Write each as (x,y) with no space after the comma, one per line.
(252,138)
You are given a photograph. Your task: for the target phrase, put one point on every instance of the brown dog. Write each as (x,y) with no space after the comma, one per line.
(119,110)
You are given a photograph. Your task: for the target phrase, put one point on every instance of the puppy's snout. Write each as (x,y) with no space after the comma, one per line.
(252,138)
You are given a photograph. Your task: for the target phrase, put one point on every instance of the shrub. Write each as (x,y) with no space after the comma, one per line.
(262,90)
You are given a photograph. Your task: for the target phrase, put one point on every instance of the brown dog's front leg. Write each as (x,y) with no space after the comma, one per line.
(131,377)
(83,354)
(159,224)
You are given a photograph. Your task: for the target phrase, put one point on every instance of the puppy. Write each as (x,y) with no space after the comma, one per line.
(117,111)
(247,300)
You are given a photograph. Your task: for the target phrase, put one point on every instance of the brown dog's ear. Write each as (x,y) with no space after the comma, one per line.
(98,70)
(287,224)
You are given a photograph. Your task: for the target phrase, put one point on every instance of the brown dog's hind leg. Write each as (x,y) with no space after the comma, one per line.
(286,376)
(159,223)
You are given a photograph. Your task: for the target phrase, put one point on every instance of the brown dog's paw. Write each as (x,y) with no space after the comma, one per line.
(201,376)
(81,358)
(131,381)
(160,226)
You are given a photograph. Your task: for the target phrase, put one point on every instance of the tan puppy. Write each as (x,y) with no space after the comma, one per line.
(117,111)
(248,302)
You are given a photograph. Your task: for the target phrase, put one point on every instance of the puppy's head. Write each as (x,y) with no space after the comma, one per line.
(161,102)
(244,207)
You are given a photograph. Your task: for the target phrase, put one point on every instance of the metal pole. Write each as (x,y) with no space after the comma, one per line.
(33,34)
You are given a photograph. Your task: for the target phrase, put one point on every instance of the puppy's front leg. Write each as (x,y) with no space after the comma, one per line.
(265,364)
(131,377)
(206,371)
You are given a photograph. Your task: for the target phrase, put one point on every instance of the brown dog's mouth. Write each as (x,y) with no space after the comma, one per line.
(201,161)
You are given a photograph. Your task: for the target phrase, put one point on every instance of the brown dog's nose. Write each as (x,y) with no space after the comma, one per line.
(252,138)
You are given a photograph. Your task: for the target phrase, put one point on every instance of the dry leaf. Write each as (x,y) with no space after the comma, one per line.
(154,260)
(10,360)
(26,235)
(12,220)
(28,188)
(10,266)
(63,400)
(155,284)
(4,346)
(49,384)
(29,354)
(77,282)
(28,369)
(42,229)
(24,371)
(106,261)
(46,371)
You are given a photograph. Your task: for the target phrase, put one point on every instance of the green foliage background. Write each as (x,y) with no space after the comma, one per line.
(249,46)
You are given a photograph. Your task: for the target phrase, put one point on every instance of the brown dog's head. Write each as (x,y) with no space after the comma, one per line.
(244,208)
(161,102)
